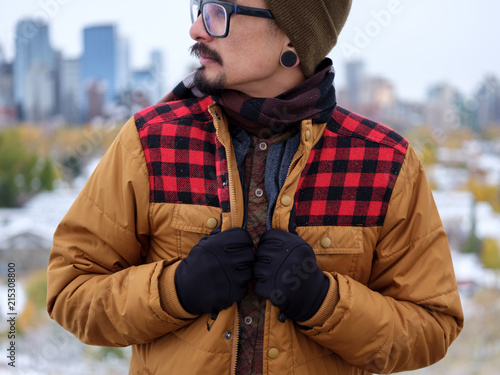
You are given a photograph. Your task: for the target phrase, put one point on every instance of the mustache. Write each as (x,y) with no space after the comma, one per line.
(201,50)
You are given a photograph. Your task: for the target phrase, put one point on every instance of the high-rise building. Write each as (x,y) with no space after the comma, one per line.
(157,71)
(99,66)
(69,89)
(58,57)
(34,65)
(2,56)
(96,92)
(146,84)
(123,66)
(444,110)
(144,88)
(39,97)
(488,102)
(7,107)
(355,75)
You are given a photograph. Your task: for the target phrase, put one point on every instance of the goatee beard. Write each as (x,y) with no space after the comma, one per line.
(214,87)
(209,87)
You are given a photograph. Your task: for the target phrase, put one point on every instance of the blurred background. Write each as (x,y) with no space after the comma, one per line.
(73,71)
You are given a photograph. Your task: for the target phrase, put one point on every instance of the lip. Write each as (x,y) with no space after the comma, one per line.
(206,60)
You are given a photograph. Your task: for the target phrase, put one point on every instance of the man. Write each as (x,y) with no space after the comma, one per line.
(249,225)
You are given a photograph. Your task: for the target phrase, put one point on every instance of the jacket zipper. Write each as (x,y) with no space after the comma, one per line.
(294,161)
(232,195)
(236,340)
(232,203)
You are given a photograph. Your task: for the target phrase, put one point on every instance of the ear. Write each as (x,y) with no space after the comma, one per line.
(289,57)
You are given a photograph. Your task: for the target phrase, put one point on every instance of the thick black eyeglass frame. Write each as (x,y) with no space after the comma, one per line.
(230,10)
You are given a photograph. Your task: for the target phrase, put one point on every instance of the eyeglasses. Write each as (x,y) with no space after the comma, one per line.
(216,15)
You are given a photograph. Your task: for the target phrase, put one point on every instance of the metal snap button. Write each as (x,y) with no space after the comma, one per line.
(326,242)
(286,200)
(308,135)
(273,353)
(212,223)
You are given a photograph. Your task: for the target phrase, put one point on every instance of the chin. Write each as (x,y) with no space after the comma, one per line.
(208,85)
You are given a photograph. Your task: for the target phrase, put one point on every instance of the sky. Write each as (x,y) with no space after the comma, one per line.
(412,43)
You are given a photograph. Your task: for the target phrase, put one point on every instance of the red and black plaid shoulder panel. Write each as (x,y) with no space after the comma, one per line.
(186,162)
(350,173)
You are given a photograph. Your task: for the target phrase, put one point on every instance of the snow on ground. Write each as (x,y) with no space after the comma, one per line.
(488,225)
(471,275)
(49,349)
(42,214)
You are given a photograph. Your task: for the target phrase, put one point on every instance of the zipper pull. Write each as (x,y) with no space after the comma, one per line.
(213,317)
(282,318)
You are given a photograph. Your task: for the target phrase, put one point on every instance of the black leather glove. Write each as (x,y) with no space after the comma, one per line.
(216,272)
(286,272)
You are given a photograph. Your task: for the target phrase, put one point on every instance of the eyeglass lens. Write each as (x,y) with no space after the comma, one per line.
(214,17)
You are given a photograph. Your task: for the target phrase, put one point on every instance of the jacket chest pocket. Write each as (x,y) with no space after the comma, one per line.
(191,223)
(178,227)
(344,250)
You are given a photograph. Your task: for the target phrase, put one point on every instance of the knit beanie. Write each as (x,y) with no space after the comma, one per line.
(313,27)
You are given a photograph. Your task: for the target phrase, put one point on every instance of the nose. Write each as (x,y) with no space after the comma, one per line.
(197,31)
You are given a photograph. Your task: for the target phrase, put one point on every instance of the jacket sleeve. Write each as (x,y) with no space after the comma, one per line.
(98,286)
(410,311)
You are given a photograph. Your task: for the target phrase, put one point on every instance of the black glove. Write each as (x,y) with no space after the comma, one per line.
(286,272)
(216,272)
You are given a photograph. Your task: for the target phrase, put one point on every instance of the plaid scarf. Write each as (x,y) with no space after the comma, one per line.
(314,99)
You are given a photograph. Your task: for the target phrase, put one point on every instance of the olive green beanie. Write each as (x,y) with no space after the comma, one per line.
(313,27)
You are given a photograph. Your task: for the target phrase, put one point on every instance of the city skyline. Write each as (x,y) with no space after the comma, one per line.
(101,82)
(413,44)
(45,38)
(42,85)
